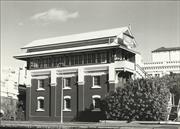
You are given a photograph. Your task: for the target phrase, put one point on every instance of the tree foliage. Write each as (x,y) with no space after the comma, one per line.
(142,99)
(173,83)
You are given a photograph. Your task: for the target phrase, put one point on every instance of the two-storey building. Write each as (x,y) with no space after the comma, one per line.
(69,74)
(164,61)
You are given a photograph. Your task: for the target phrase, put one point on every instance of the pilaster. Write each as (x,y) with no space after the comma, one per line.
(80,91)
(53,94)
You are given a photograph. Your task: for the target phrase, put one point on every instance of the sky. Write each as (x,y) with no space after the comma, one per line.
(154,24)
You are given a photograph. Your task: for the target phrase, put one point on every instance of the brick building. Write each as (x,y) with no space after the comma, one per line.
(68,75)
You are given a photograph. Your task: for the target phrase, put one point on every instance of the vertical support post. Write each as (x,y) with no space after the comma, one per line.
(62,99)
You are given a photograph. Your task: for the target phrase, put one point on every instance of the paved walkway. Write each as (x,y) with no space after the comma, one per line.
(89,125)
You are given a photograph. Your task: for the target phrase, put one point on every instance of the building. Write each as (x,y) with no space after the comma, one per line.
(164,61)
(10,79)
(68,75)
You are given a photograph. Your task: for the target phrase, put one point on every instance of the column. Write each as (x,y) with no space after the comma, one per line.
(28,95)
(53,94)
(80,89)
(112,77)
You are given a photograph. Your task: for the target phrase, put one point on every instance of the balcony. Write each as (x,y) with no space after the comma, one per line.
(125,65)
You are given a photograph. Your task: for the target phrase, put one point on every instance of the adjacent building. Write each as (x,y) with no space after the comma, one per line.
(164,61)
(10,80)
(68,75)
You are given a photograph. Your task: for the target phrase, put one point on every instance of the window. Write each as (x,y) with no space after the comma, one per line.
(93,58)
(96,82)
(96,102)
(41,84)
(80,59)
(72,60)
(40,103)
(85,59)
(98,58)
(66,60)
(103,58)
(89,58)
(67,83)
(67,103)
(76,60)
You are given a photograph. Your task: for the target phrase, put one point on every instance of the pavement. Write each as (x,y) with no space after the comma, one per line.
(91,125)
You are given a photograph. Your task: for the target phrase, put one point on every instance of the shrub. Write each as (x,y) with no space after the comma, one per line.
(142,99)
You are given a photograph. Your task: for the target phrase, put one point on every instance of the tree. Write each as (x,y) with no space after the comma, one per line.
(141,99)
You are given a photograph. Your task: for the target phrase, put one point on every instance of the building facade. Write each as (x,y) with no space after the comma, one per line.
(68,75)
(10,79)
(164,61)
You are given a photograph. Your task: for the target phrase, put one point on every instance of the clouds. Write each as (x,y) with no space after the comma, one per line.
(54,15)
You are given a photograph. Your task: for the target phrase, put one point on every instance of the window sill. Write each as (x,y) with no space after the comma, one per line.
(40,110)
(67,110)
(66,88)
(96,87)
(40,89)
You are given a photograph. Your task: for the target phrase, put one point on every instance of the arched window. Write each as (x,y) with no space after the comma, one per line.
(40,103)
(96,102)
(67,103)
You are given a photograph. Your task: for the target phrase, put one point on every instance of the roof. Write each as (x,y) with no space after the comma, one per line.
(66,50)
(70,50)
(77,37)
(161,49)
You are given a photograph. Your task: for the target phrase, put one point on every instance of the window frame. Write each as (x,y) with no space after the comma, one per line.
(39,87)
(39,108)
(96,86)
(65,103)
(94,97)
(64,83)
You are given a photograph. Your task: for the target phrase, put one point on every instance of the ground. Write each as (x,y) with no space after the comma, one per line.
(89,125)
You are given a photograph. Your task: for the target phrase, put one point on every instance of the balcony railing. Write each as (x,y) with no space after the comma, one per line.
(124,64)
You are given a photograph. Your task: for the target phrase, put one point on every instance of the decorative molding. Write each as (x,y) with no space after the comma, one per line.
(53,84)
(67,97)
(28,86)
(40,89)
(94,69)
(96,96)
(39,77)
(95,73)
(67,110)
(66,71)
(96,87)
(65,75)
(40,110)
(111,81)
(40,97)
(40,73)
(80,83)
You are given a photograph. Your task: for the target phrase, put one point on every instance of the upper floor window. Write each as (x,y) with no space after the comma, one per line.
(96,82)
(41,84)
(66,60)
(103,57)
(40,103)
(67,83)
(70,60)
